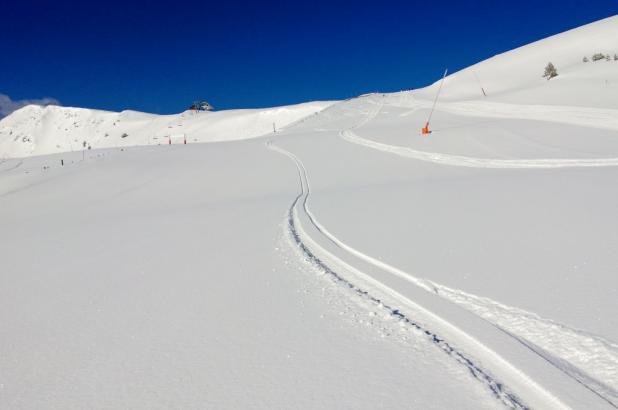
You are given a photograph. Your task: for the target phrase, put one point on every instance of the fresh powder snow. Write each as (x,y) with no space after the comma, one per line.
(322,255)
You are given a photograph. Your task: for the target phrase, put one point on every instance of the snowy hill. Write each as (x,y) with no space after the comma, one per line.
(344,262)
(511,77)
(36,130)
(516,76)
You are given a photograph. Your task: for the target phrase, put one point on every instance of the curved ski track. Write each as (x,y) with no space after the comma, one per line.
(295,227)
(328,261)
(17,165)
(471,162)
(302,240)
(463,161)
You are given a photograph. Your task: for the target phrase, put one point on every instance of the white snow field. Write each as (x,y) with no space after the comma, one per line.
(345,261)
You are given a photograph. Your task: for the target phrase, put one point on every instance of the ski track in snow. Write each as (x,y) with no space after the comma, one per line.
(471,162)
(17,165)
(596,367)
(300,239)
(589,359)
(461,161)
(600,359)
(506,319)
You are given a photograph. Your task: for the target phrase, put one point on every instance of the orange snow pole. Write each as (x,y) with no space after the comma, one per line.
(425,130)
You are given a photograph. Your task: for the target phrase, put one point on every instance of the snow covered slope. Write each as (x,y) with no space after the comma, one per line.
(516,76)
(344,262)
(36,130)
(514,220)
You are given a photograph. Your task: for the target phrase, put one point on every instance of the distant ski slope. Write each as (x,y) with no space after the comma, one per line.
(35,130)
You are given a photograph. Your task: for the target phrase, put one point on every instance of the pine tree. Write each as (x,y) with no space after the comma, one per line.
(550,71)
(598,56)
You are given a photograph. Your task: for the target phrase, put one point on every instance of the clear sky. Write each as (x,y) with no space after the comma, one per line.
(159,56)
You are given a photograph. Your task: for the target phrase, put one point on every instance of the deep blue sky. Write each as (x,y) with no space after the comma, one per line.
(158,57)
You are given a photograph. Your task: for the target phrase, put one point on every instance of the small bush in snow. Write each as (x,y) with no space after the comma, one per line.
(598,56)
(550,71)
(124,135)
(585,60)
(615,57)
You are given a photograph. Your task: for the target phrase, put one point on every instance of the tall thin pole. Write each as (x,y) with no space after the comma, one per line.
(480,85)
(425,130)
(435,101)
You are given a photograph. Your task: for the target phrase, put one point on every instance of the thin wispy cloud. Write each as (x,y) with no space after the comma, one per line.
(7,105)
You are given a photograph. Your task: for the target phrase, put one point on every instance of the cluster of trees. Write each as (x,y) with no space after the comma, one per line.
(550,71)
(600,56)
(201,106)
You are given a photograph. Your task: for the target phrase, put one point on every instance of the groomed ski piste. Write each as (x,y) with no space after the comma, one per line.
(344,261)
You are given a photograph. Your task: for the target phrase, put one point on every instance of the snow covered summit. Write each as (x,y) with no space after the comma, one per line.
(36,130)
